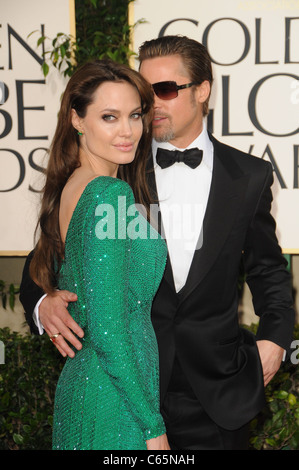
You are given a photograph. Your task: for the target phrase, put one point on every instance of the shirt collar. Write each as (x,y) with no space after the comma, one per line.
(202,142)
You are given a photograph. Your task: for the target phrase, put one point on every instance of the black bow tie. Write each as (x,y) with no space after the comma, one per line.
(191,157)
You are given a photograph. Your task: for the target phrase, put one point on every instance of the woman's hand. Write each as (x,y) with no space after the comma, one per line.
(158,443)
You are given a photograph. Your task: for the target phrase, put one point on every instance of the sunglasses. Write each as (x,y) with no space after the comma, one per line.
(169,90)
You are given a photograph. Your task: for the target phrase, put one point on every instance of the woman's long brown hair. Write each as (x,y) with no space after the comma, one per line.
(64,159)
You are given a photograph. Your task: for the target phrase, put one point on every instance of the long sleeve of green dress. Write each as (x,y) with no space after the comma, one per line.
(108,396)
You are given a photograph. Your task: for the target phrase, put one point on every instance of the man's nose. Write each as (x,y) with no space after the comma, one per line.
(158,103)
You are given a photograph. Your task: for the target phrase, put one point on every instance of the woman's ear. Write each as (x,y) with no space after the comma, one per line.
(76,121)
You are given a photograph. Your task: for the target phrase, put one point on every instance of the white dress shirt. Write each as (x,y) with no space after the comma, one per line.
(183,194)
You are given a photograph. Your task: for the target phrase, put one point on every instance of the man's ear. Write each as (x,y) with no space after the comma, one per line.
(204,90)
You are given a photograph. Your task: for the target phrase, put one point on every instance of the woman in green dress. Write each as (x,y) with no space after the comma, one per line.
(107,396)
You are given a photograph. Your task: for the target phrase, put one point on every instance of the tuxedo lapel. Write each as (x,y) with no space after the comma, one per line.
(227,191)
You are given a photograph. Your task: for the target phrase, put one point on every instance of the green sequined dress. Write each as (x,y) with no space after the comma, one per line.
(107,397)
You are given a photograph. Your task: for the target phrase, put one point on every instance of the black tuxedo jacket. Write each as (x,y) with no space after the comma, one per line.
(199,325)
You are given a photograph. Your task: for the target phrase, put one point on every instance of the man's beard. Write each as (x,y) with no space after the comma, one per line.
(163,135)
(167,136)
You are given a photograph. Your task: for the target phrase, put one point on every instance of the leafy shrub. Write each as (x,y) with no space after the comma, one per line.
(102,31)
(8,292)
(27,388)
(277,426)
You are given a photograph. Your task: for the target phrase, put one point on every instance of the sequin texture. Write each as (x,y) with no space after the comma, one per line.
(107,397)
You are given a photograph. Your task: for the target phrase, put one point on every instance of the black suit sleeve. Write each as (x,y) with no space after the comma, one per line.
(267,276)
(30,293)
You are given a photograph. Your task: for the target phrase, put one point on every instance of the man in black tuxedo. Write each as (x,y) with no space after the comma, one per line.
(212,371)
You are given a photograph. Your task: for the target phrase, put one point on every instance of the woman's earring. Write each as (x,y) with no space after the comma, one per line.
(80,133)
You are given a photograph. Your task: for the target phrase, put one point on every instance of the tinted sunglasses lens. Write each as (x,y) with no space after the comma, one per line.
(165,90)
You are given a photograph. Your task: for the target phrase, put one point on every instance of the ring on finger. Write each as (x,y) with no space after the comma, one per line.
(54,337)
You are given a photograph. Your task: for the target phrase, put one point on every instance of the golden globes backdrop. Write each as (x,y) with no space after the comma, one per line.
(29,103)
(254,46)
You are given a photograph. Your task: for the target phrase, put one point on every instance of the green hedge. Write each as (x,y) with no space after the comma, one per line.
(31,370)
(27,387)
(277,427)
